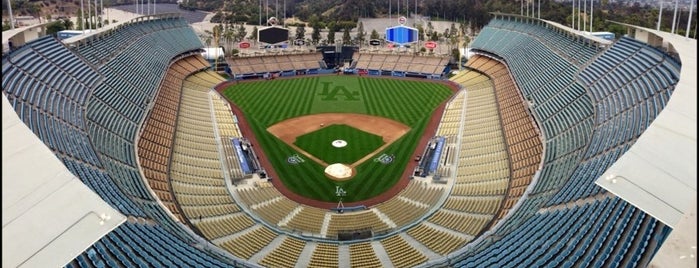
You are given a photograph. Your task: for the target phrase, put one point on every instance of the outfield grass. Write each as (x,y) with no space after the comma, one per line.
(319,144)
(410,102)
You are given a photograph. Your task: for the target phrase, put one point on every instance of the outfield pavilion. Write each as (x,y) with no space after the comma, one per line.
(131,182)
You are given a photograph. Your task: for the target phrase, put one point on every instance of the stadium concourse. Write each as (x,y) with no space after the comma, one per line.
(566,151)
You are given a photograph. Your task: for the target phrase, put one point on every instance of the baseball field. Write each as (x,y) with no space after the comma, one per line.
(308,126)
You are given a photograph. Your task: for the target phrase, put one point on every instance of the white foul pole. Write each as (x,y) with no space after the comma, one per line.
(572,15)
(96,18)
(584,14)
(88,15)
(660,16)
(674,17)
(82,16)
(579,16)
(12,18)
(592,13)
(527,9)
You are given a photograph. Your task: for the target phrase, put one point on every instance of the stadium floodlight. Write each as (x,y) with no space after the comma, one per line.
(660,16)
(674,17)
(12,18)
(689,20)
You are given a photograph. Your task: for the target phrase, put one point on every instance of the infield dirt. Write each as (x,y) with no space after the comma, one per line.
(288,130)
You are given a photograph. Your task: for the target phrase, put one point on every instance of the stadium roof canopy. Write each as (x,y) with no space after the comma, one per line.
(48,215)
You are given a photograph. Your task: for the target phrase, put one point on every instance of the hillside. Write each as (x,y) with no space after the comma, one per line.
(473,12)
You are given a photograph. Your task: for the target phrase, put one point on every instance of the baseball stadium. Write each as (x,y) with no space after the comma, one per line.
(548,147)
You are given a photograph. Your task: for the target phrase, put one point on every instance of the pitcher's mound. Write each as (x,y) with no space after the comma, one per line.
(339,143)
(339,171)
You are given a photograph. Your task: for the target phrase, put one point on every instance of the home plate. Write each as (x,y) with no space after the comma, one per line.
(339,171)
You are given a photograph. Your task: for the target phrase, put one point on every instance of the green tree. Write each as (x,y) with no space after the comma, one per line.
(361,35)
(331,37)
(346,38)
(229,35)
(241,32)
(420,32)
(207,37)
(68,24)
(300,32)
(315,36)
(374,34)
(253,34)
(55,27)
(434,36)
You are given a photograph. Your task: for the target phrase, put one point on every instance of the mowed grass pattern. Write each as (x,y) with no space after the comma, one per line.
(319,144)
(410,102)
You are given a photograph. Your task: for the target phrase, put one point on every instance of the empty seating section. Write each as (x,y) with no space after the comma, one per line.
(623,84)
(587,126)
(105,46)
(362,255)
(308,219)
(196,171)
(158,130)
(401,210)
(100,182)
(50,96)
(521,136)
(601,238)
(467,223)
(274,63)
(436,240)
(423,192)
(352,221)
(250,242)
(324,255)
(401,253)
(631,83)
(451,119)
(285,255)
(483,167)
(576,50)
(408,63)
(143,245)
(227,125)
(119,103)
(224,225)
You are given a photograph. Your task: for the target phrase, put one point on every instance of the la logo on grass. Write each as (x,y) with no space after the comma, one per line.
(338,90)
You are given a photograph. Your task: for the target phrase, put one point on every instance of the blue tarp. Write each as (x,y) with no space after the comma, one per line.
(241,156)
(436,155)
